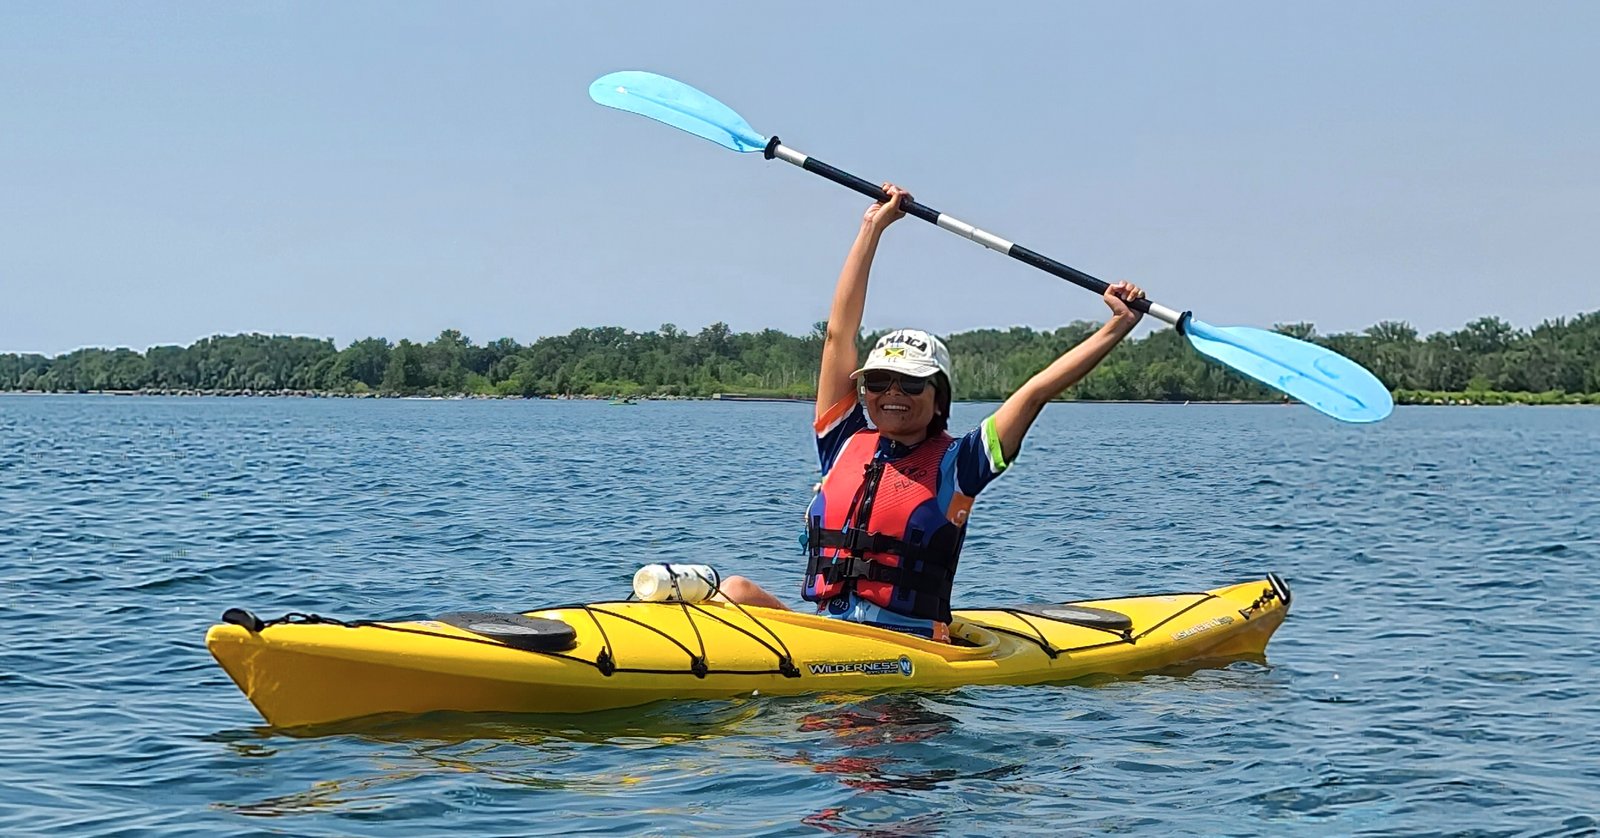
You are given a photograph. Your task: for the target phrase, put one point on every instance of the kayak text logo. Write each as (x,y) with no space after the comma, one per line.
(901,666)
(1205,626)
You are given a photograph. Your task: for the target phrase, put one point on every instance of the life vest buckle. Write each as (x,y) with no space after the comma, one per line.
(856,568)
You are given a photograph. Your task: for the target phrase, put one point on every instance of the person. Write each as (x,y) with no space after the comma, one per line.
(885,530)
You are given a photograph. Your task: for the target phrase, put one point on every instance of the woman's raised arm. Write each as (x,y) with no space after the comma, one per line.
(1016,415)
(839,351)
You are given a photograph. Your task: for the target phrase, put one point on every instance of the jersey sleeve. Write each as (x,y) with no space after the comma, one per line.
(975,460)
(836,426)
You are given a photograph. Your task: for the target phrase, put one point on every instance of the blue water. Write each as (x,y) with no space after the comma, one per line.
(1436,674)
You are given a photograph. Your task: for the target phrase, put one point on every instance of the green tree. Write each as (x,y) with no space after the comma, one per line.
(366,361)
(403,376)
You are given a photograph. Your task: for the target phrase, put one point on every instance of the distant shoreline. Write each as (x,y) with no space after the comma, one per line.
(1491,399)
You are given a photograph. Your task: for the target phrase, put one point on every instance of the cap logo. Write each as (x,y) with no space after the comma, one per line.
(894,352)
(908,340)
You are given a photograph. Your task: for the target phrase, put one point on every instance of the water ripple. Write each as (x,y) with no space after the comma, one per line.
(1435,678)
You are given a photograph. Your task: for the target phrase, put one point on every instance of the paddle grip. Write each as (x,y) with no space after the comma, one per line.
(1066,272)
(1070,274)
(871,190)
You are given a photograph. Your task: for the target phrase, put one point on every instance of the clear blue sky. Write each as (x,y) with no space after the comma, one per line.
(175,170)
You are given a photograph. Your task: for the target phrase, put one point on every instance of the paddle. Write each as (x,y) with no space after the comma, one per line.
(1325,380)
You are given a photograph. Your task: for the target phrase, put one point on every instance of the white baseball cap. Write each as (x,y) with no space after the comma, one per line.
(910,352)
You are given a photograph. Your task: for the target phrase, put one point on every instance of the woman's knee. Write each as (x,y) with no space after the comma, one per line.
(739,589)
(744,592)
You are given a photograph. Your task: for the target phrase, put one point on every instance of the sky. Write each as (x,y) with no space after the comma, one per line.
(170,171)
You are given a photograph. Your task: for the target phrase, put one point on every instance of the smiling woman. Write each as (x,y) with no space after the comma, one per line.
(906,385)
(884,533)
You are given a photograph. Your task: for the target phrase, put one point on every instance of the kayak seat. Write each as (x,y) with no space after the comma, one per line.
(969,636)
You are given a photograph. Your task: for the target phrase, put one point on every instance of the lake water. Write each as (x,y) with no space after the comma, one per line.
(1436,674)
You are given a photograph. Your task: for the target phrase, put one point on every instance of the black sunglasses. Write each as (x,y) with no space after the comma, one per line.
(878,382)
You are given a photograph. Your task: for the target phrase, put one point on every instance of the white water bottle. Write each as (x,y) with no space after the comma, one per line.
(675,582)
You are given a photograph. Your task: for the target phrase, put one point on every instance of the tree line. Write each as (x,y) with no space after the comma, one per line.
(1559,358)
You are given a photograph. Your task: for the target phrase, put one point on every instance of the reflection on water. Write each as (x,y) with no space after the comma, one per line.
(554,753)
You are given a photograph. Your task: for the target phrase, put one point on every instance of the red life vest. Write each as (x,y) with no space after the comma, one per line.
(882,532)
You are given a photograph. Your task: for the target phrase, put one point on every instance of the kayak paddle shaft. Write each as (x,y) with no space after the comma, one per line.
(777,150)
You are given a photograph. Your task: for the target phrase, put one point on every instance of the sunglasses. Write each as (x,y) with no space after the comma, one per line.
(879,382)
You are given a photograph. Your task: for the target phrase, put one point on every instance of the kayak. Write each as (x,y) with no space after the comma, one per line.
(304,669)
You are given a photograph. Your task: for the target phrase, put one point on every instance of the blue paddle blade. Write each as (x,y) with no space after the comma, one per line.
(1321,378)
(677,104)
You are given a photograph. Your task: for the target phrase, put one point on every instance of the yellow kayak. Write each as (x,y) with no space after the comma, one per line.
(309,670)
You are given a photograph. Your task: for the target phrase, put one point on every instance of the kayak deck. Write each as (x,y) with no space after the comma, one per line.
(630,653)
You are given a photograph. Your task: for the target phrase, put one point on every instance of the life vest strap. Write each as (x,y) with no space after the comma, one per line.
(859,541)
(859,569)
(933,579)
